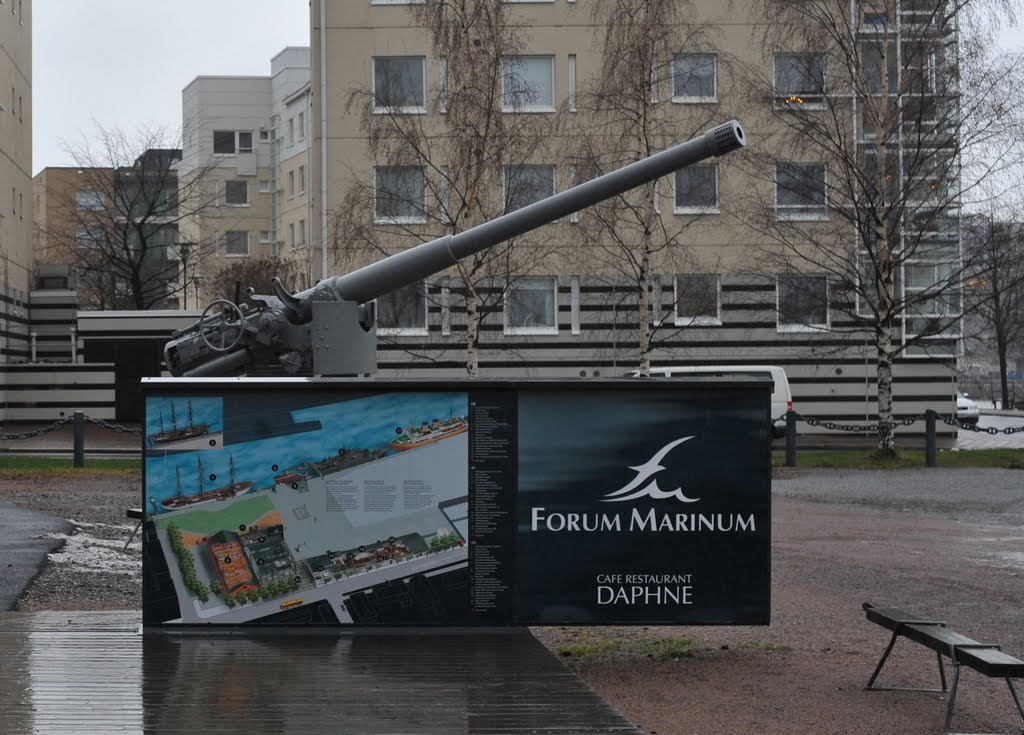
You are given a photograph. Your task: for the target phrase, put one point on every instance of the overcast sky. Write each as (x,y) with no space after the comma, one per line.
(123,63)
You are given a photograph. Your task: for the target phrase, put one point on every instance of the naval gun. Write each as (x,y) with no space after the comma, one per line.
(330,329)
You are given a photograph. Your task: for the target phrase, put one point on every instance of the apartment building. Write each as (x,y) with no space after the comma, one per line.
(15,178)
(722,293)
(246,139)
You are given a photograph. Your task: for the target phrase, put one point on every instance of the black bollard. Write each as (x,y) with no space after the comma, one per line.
(791,438)
(79,439)
(930,459)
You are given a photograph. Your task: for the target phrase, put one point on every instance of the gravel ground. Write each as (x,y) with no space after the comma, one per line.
(947,544)
(90,570)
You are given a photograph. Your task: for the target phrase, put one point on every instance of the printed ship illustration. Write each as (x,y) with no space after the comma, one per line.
(227,492)
(345,459)
(175,434)
(429,433)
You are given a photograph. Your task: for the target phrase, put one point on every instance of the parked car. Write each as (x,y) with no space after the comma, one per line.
(782,399)
(966,409)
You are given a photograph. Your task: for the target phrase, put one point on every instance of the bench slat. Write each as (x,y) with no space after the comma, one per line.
(892,617)
(991,662)
(936,638)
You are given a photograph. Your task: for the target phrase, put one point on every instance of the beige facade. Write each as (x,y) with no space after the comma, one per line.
(247,139)
(589,327)
(15,177)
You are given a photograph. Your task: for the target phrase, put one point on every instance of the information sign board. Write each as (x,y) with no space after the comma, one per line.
(360,502)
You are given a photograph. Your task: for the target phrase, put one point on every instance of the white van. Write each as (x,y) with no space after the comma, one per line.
(782,399)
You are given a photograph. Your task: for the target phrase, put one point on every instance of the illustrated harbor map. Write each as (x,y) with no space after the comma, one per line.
(366,493)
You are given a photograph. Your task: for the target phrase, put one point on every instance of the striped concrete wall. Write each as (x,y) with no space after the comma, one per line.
(37,392)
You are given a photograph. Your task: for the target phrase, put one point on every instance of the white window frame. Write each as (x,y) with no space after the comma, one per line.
(404,219)
(227,253)
(792,328)
(788,212)
(302,179)
(417,331)
(238,141)
(264,236)
(693,100)
(246,203)
(302,233)
(379,109)
(676,209)
(504,183)
(530,107)
(811,101)
(511,287)
(291,184)
(300,126)
(572,83)
(264,186)
(702,320)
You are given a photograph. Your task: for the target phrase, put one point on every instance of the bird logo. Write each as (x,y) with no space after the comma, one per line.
(645,472)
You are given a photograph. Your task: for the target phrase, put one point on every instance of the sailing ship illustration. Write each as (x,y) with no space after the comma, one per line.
(428,433)
(176,434)
(231,490)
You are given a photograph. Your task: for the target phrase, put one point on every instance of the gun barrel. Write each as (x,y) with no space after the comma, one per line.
(435,256)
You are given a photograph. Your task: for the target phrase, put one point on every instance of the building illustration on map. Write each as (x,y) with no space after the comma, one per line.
(366,515)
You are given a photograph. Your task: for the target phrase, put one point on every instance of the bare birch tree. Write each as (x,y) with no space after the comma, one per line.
(884,124)
(120,228)
(995,289)
(646,96)
(452,155)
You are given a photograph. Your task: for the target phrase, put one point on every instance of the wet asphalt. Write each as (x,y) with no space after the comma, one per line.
(25,540)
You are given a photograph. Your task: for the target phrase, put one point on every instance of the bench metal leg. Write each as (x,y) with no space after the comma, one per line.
(135,531)
(881,663)
(952,699)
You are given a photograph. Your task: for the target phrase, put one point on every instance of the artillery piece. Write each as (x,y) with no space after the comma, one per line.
(331,327)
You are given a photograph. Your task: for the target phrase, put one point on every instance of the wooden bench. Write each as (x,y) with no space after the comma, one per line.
(985,658)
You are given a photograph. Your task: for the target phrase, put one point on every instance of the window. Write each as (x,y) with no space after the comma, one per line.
(301,126)
(229,142)
(694,78)
(264,135)
(302,179)
(399,84)
(302,232)
(698,300)
(403,311)
(799,81)
(399,195)
(697,190)
(800,191)
(291,183)
(802,303)
(572,82)
(291,130)
(89,200)
(264,236)
(264,186)
(531,306)
(236,243)
(236,193)
(90,238)
(291,234)
(527,184)
(528,84)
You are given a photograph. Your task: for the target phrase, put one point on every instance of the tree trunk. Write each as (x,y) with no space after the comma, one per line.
(644,307)
(472,331)
(886,437)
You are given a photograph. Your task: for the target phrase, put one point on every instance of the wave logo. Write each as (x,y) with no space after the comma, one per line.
(637,489)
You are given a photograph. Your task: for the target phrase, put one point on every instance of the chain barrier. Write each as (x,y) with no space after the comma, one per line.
(64,422)
(873,428)
(857,429)
(119,428)
(954,421)
(38,432)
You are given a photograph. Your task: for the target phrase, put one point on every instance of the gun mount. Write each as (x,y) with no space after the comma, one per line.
(330,328)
